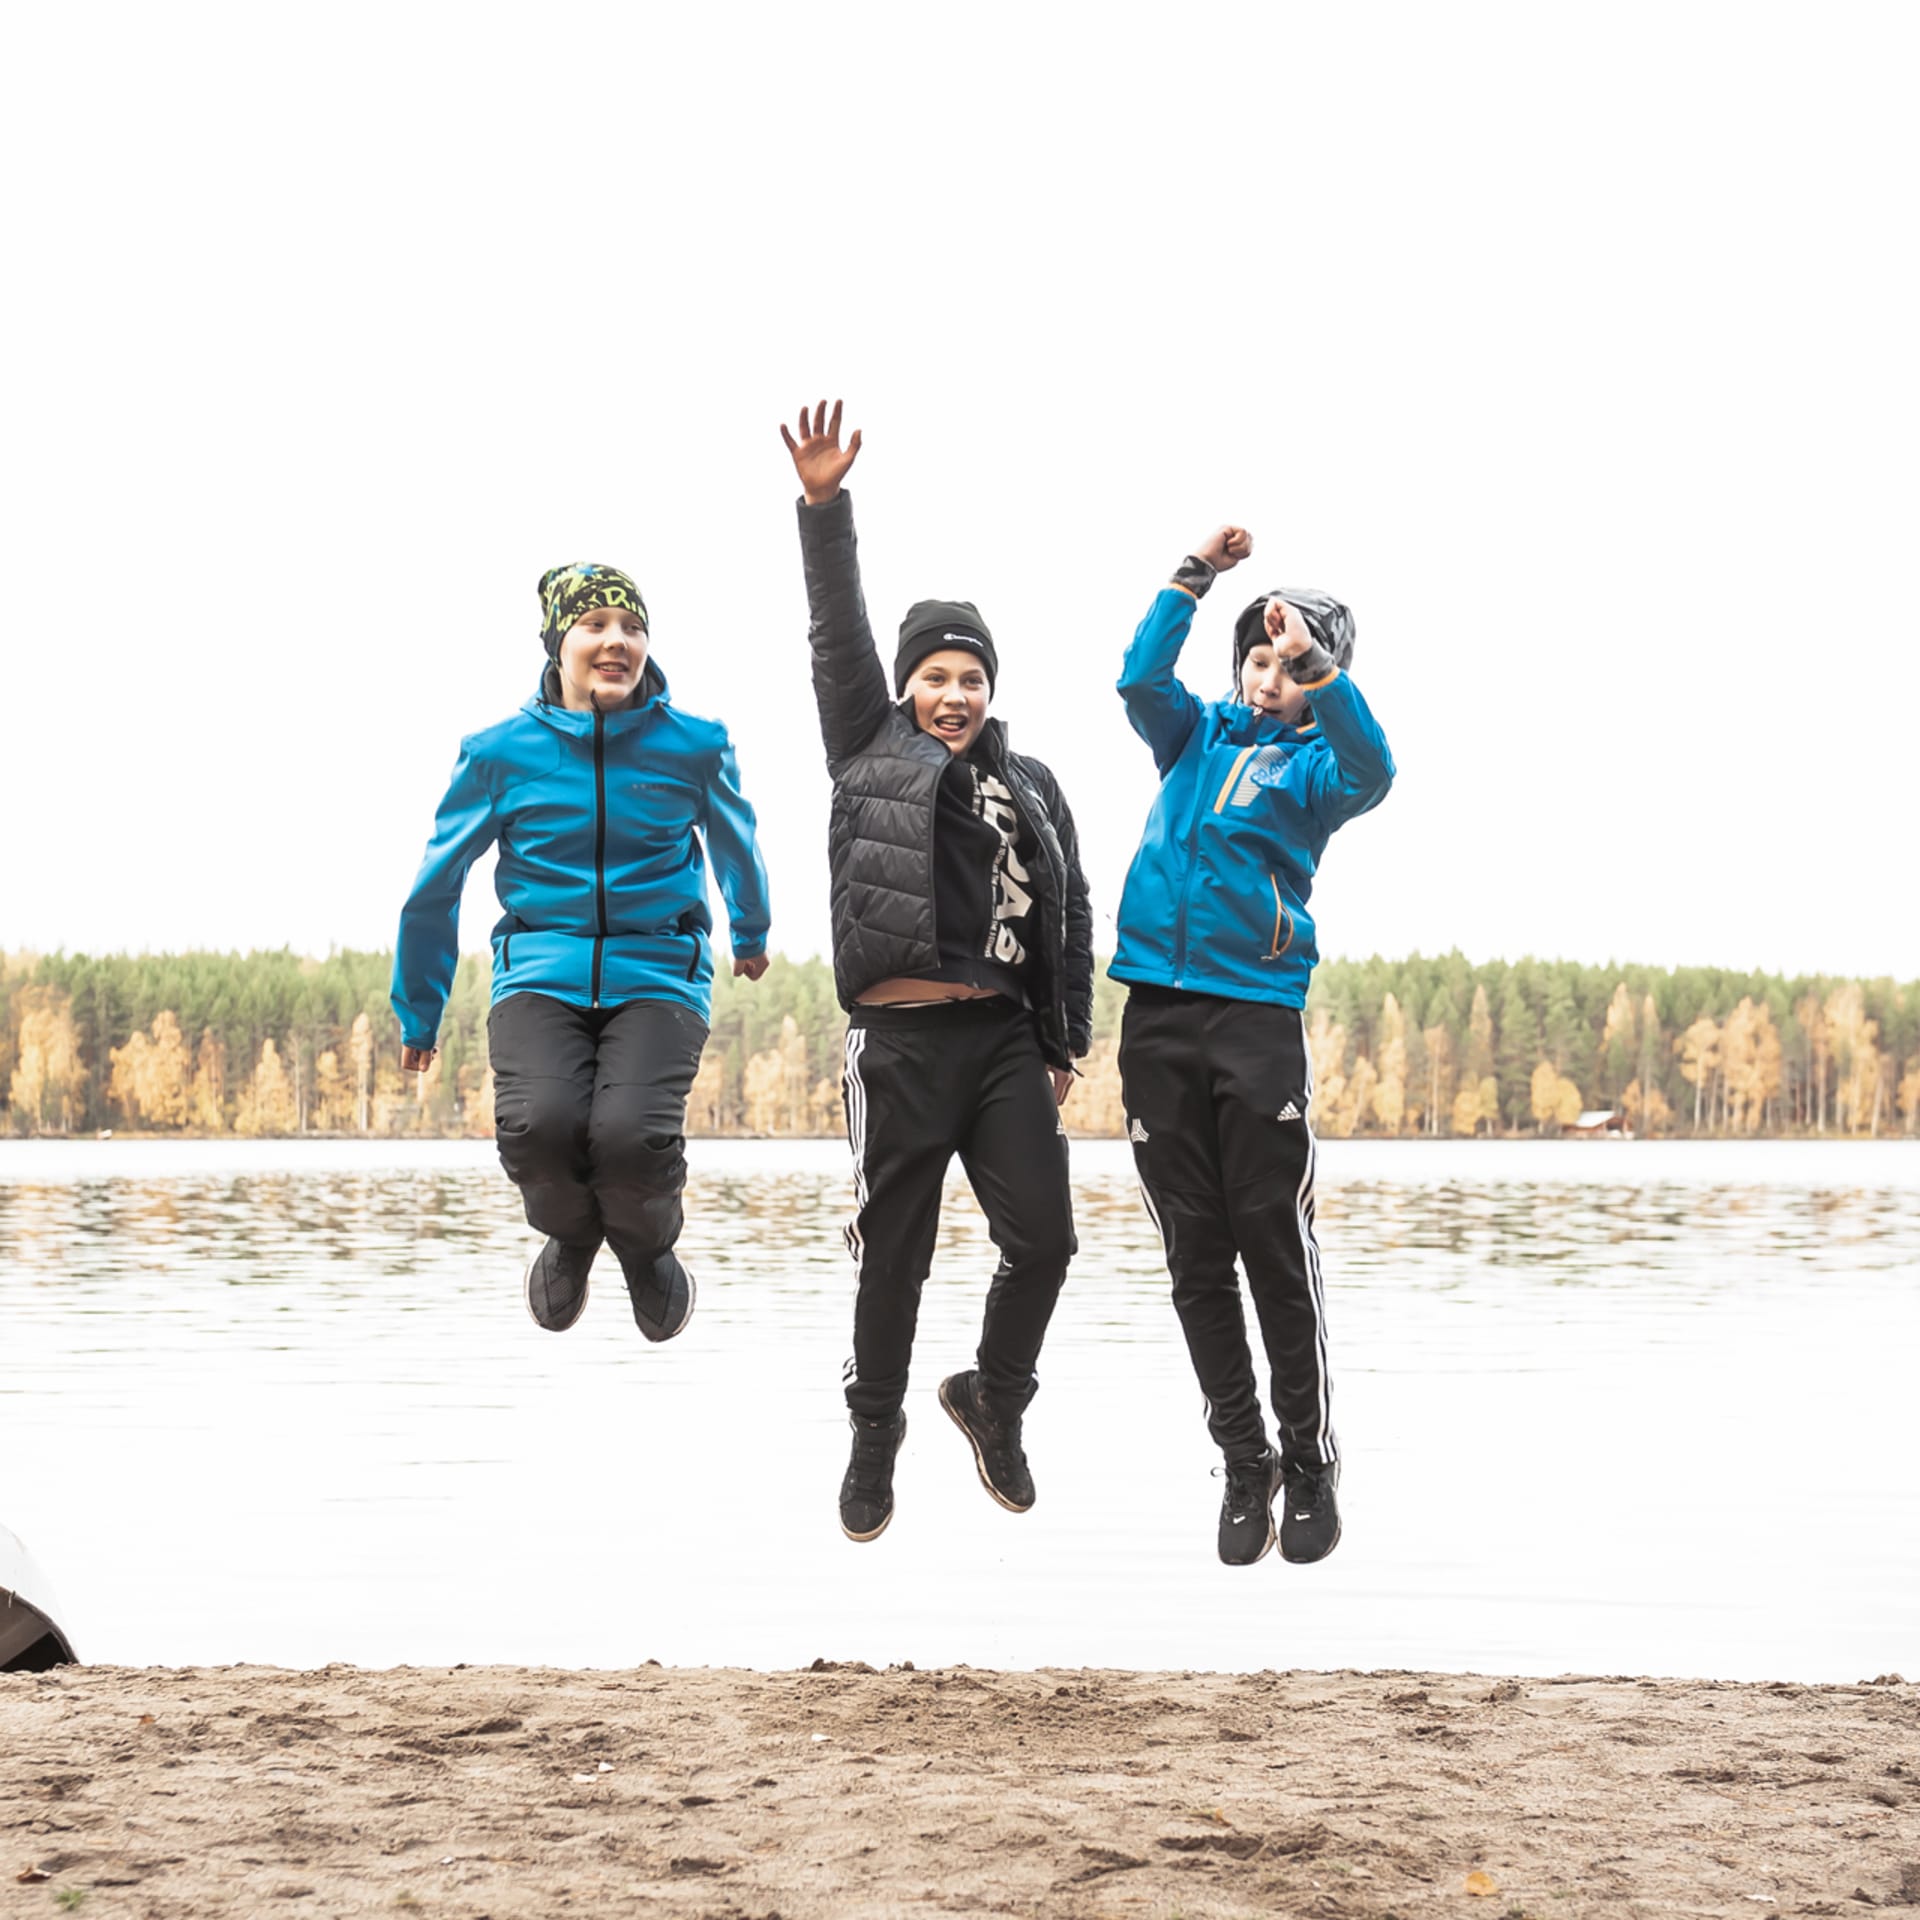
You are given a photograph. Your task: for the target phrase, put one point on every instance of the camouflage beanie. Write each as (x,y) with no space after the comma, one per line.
(569,594)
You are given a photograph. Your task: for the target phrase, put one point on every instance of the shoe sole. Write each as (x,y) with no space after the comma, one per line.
(888,1521)
(979,1462)
(863,1537)
(693,1294)
(526,1293)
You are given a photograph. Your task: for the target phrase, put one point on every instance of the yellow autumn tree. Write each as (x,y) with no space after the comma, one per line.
(47,1081)
(1545,1092)
(1699,1052)
(360,1064)
(1647,1111)
(207,1097)
(476,1103)
(1327,1048)
(152,1075)
(778,1088)
(1909,1094)
(1097,1110)
(1389,1098)
(1439,1074)
(1617,1037)
(1854,1040)
(707,1095)
(265,1107)
(1475,1106)
(1750,1064)
(332,1096)
(1812,1016)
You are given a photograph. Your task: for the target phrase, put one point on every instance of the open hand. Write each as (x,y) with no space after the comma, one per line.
(751,968)
(1062,1078)
(818,457)
(417,1059)
(1286,629)
(1225,547)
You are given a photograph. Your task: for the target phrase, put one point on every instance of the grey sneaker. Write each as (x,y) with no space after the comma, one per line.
(557,1284)
(866,1494)
(1246,1509)
(994,1437)
(1310,1520)
(662,1291)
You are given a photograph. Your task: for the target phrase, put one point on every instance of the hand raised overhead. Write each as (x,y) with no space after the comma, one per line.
(1225,547)
(818,457)
(1287,632)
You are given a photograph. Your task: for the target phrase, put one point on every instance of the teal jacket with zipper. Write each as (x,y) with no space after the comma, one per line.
(1216,898)
(604,824)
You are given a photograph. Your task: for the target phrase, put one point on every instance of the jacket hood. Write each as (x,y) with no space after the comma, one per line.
(652,687)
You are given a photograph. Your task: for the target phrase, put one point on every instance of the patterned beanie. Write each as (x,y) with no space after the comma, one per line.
(569,594)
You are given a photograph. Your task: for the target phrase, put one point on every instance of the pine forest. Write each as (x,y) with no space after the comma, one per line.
(274,1044)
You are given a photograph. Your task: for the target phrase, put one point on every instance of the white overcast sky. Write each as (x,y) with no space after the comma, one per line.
(1573,347)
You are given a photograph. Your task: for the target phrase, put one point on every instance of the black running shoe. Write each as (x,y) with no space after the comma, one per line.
(557,1284)
(1310,1520)
(866,1494)
(1246,1509)
(994,1437)
(662,1292)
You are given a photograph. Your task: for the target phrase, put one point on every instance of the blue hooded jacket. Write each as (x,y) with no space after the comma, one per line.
(1216,898)
(603,821)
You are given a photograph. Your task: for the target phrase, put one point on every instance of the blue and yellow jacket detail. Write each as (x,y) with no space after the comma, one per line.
(604,823)
(1216,898)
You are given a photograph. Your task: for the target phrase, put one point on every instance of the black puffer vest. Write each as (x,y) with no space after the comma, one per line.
(886,778)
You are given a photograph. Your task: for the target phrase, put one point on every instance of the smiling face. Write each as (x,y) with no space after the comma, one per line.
(950,694)
(602,659)
(1264,684)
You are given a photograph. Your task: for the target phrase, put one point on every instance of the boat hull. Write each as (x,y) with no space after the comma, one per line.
(31,1638)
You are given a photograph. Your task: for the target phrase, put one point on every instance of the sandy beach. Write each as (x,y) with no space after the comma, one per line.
(842,1791)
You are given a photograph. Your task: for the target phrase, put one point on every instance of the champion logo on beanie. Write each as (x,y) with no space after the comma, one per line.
(934,626)
(568,594)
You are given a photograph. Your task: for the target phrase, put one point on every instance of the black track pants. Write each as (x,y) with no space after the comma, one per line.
(922,1084)
(589,1110)
(1217,1095)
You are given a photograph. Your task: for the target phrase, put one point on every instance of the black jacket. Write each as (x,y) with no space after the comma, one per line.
(886,778)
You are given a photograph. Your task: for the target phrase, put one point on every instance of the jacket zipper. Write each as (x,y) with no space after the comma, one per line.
(1056,885)
(1281,918)
(1186,884)
(506,952)
(599,846)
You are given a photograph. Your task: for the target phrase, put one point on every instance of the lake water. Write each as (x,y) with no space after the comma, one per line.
(1636,1409)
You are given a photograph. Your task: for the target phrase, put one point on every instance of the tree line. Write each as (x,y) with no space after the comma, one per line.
(277,1044)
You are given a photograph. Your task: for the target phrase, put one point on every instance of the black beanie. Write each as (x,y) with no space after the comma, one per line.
(932,626)
(1327,620)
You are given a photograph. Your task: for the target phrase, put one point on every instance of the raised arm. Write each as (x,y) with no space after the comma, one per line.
(849,683)
(737,863)
(1357,772)
(1160,709)
(428,946)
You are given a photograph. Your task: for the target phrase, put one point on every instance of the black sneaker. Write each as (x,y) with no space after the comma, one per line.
(557,1284)
(1246,1509)
(1310,1520)
(866,1494)
(995,1439)
(662,1292)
